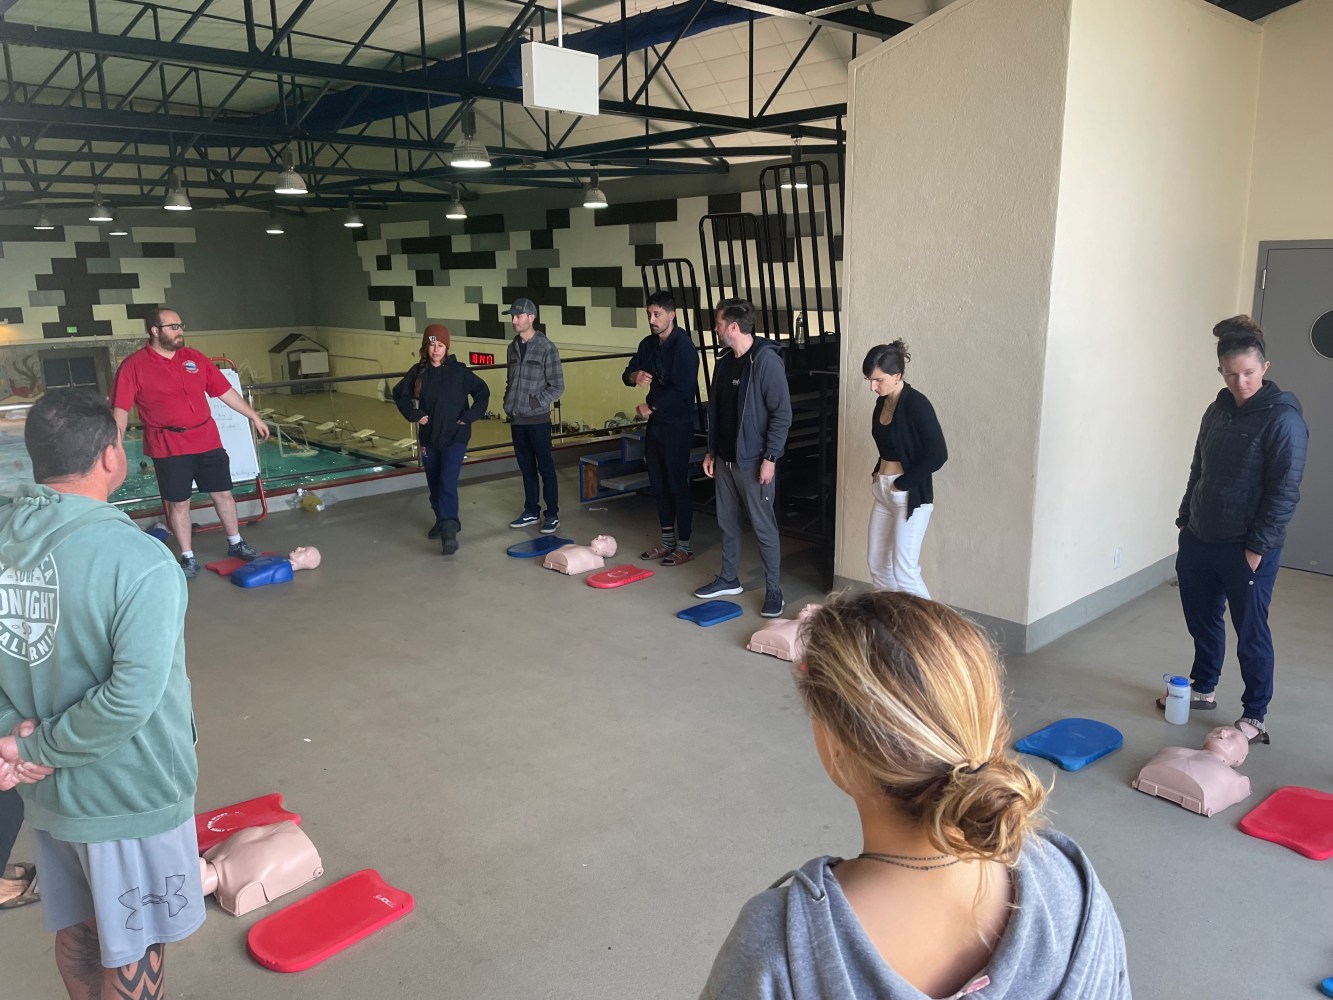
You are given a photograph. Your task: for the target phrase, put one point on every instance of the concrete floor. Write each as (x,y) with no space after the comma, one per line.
(581,791)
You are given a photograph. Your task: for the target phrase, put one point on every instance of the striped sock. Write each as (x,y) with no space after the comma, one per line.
(684,546)
(668,538)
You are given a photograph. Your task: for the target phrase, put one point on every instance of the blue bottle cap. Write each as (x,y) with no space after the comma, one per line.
(1175,680)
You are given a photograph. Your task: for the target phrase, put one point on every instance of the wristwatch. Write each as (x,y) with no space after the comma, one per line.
(771,458)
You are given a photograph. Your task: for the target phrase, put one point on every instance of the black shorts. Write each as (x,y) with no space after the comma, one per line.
(176,474)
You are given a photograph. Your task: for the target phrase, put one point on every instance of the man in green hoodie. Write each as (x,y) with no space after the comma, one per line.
(93,686)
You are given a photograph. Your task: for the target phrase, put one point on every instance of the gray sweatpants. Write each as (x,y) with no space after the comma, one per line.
(738,488)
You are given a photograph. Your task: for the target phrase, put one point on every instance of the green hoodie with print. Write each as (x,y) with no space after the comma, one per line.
(92,645)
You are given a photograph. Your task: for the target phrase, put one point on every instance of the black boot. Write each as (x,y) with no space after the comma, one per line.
(435,529)
(449,537)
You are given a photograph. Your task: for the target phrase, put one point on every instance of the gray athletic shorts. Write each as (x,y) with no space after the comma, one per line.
(139,892)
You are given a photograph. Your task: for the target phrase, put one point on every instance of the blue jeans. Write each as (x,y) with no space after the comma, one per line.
(1214,576)
(667,452)
(532,451)
(442,467)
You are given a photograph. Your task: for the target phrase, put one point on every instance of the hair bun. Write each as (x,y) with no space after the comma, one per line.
(1238,326)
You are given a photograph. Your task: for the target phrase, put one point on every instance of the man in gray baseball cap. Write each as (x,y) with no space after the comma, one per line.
(535,381)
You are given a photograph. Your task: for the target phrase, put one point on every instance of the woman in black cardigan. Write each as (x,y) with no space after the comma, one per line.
(911,449)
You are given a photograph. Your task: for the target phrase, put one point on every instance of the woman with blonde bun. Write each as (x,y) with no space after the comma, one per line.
(958,889)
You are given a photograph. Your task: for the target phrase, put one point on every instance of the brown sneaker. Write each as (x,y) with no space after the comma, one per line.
(677,557)
(657,552)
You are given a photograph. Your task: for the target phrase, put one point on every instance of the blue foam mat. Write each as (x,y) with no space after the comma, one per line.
(534,547)
(711,613)
(1072,743)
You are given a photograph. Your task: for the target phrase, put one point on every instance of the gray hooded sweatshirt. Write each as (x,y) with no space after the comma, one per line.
(802,941)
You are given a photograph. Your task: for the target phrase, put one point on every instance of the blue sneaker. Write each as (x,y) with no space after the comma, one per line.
(773,604)
(549,525)
(523,520)
(719,588)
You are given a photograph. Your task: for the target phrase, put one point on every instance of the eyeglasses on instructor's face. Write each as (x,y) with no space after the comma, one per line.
(172,326)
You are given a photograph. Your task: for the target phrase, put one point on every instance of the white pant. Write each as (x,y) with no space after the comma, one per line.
(895,539)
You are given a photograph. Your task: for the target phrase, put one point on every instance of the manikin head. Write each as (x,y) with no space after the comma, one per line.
(1229,743)
(304,557)
(603,545)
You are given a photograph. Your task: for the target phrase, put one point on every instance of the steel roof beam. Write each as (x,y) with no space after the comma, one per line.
(849,20)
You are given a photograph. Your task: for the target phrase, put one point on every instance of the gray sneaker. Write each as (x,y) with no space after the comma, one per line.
(718,588)
(773,604)
(242,550)
(189,566)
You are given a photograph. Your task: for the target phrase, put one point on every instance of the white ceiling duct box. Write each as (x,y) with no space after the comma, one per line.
(559,79)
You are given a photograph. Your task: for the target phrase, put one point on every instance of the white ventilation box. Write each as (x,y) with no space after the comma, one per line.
(557,79)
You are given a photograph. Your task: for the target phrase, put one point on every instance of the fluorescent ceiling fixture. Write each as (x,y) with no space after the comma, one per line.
(290,182)
(594,196)
(353,221)
(118,228)
(43,220)
(456,210)
(100,212)
(274,226)
(795,174)
(177,200)
(469,154)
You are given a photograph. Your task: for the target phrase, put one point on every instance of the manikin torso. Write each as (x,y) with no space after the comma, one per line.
(574,559)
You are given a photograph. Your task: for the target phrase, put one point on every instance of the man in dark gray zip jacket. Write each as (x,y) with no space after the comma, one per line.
(749,414)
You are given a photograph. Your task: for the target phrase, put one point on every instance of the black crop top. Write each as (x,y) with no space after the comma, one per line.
(888,449)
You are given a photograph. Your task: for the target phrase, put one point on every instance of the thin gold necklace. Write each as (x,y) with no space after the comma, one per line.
(901,860)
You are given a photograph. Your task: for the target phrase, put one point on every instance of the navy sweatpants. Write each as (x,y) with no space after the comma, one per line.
(1214,576)
(667,452)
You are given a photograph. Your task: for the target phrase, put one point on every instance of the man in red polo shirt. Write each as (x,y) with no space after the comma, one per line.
(170,383)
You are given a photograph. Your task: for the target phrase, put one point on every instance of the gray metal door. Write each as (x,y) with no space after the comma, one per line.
(1294,305)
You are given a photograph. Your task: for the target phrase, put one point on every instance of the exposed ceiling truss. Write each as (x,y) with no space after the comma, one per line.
(368,98)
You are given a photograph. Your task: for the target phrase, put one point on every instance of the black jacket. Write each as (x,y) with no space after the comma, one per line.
(442,396)
(674,366)
(1245,478)
(919,441)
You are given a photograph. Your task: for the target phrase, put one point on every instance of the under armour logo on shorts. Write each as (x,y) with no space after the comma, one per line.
(174,899)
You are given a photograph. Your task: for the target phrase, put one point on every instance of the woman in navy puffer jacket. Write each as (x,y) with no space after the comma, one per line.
(1242,491)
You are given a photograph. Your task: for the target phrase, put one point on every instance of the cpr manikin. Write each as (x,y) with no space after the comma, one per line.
(1200,780)
(782,636)
(574,559)
(253,867)
(276,569)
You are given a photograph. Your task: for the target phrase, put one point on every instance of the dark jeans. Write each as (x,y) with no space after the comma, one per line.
(11,818)
(667,452)
(1215,576)
(442,467)
(532,451)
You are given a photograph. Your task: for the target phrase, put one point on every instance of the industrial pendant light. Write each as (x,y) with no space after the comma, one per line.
(43,222)
(456,210)
(274,225)
(795,175)
(117,228)
(290,182)
(593,196)
(177,200)
(469,154)
(353,220)
(100,212)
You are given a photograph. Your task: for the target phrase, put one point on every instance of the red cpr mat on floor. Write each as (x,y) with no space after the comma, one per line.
(1295,817)
(226,567)
(323,924)
(618,576)
(217,825)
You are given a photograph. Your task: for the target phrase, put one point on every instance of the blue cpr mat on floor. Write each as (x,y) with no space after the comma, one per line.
(711,613)
(1072,743)
(537,546)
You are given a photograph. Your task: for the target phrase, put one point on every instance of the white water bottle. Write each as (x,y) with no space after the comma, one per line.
(1177,699)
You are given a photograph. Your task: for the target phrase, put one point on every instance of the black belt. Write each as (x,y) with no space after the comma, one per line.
(182,430)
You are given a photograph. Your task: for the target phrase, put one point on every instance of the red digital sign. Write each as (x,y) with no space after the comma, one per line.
(477,358)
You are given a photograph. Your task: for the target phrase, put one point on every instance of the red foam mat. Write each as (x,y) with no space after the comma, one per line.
(1295,817)
(326,922)
(217,825)
(226,567)
(618,576)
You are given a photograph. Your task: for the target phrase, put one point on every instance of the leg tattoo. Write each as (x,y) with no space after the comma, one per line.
(144,980)
(79,959)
